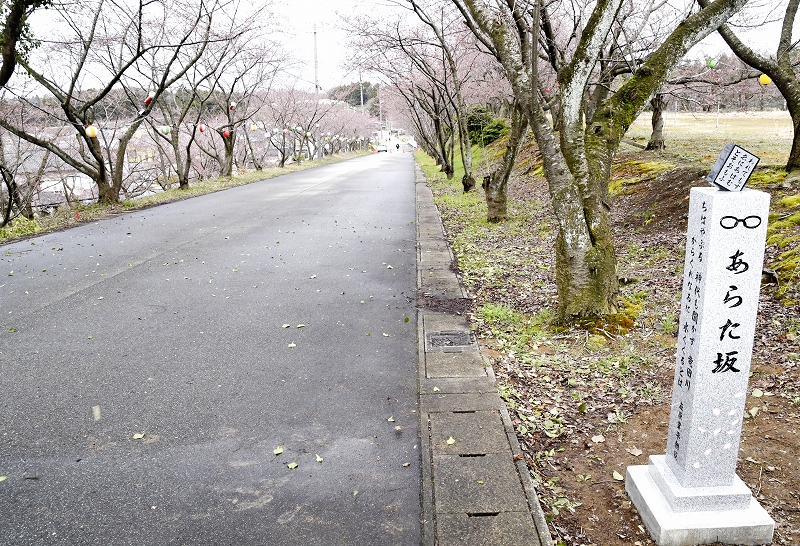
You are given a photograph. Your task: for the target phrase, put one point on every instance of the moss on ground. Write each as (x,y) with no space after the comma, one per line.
(626,176)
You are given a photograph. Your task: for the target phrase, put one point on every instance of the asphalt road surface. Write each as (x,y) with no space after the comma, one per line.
(147,378)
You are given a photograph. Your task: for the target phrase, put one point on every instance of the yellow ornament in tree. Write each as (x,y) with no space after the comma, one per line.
(91,131)
(763,79)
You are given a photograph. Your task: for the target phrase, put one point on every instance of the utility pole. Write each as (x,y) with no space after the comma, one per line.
(316,86)
(361,87)
(318,151)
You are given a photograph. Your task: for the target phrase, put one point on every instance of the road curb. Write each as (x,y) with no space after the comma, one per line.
(476,488)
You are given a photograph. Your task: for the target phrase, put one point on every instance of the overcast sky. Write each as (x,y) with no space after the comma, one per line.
(296,19)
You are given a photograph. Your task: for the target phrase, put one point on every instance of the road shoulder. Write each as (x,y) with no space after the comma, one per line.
(475,485)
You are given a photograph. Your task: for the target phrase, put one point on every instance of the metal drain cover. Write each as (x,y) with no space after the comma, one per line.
(448,341)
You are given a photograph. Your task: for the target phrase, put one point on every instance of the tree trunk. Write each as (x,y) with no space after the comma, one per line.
(495,186)
(793,165)
(7,178)
(105,189)
(791,93)
(24,207)
(468,181)
(183,166)
(226,168)
(659,104)
(496,198)
(577,161)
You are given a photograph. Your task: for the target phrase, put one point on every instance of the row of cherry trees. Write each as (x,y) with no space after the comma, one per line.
(578,74)
(128,93)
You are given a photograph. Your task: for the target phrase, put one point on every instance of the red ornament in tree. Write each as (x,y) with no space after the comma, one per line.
(201,128)
(232,106)
(226,134)
(149,98)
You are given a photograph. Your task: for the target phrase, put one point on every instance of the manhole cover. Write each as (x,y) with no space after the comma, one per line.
(444,341)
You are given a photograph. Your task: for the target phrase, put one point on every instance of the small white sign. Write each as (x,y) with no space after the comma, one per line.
(733,168)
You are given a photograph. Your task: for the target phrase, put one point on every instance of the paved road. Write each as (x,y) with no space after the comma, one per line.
(168,323)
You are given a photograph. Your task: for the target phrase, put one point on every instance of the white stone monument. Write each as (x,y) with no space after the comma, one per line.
(692,495)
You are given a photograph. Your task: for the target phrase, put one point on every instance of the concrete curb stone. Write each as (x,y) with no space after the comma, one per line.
(476,489)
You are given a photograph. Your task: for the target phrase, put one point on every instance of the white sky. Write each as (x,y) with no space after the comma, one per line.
(761,37)
(296,19)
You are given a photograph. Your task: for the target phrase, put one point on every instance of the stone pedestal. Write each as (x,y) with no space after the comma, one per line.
(692,495)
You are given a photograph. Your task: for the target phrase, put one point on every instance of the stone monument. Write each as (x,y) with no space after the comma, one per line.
(692,495)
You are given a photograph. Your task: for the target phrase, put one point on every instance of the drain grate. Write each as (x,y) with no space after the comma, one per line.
(448,341)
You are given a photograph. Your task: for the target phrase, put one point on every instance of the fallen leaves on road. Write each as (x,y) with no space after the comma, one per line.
(319,459)
(617,476)
(292,345)
(451,441)
(292,465)
(138,436)
(278,450)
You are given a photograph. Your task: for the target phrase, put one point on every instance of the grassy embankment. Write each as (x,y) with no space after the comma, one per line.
(566,386)
(66,215)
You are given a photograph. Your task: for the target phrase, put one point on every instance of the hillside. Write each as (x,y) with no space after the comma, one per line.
(589,401)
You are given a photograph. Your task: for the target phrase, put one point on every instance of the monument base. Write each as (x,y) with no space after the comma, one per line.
(735,496)
(751,525)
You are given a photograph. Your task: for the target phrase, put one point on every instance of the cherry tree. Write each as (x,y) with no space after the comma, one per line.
(433,51)
(780,69)
(181,118)
(236,99)
(577,157)
(97,45)
(15,34)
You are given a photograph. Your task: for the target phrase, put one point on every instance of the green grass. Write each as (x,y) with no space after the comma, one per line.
(784,233)
(20,227)
(696,137)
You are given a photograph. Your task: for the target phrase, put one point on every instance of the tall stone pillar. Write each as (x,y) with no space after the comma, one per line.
(692,495)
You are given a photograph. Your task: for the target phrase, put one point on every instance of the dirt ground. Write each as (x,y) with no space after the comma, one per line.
(589,402)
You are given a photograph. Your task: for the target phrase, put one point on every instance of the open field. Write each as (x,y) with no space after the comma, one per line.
(768,134)
(588,402)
